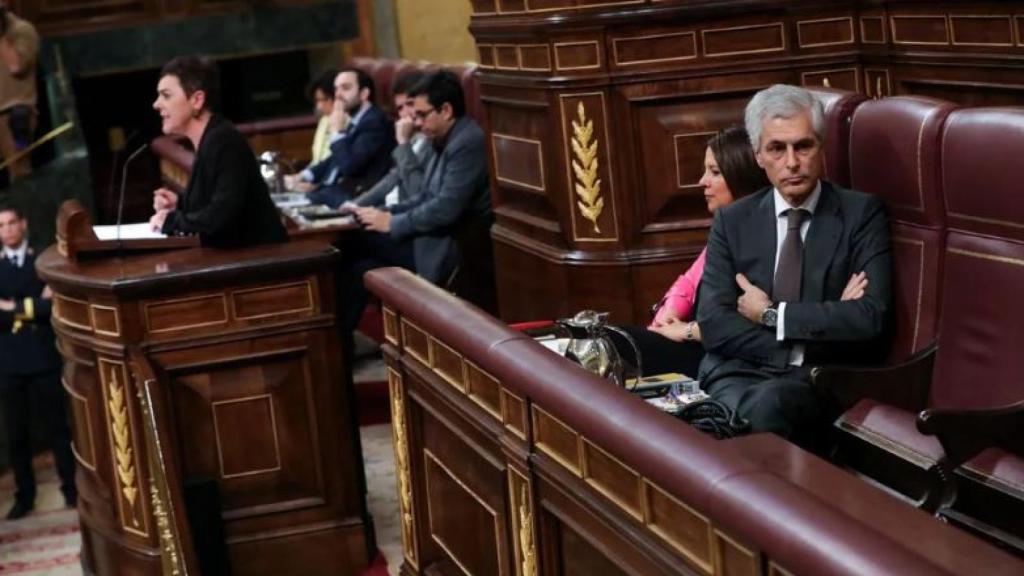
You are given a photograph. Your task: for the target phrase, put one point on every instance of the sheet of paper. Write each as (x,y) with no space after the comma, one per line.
(128,232)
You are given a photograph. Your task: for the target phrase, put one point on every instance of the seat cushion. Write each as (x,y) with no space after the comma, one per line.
(893,430)
(998,469)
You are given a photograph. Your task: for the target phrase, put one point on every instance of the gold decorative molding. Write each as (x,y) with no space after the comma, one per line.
(163,511)
(168,548)
(124,453)
(585,166)
(401,442)
(523,510)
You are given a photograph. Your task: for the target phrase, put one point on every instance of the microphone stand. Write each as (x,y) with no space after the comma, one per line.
(120,197)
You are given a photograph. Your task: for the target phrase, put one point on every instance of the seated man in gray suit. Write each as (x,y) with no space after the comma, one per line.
(772,301)
(420,232)
(411,156)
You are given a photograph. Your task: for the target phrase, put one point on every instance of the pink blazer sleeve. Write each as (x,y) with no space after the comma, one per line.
(681,296)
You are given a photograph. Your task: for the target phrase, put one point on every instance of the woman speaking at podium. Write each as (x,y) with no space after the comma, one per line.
(226,200)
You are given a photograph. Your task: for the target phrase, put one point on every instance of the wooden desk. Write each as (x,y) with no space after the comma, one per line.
(248,372)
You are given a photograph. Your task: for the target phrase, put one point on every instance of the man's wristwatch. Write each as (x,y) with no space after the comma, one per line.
(770,316)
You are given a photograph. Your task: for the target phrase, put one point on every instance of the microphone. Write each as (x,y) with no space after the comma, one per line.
(124,178)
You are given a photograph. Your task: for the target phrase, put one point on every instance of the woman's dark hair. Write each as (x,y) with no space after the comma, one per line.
(196,73)
(735,158)
(324,83)
(440,87)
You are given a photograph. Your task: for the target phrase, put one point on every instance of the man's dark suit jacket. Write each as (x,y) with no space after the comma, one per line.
(362,157)
(31,350)
(849,233)
(226,200)
(455,200)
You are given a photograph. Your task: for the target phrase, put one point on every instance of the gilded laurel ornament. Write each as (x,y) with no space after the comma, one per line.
(123,453)
(585,167)
(526,533)
(402,465)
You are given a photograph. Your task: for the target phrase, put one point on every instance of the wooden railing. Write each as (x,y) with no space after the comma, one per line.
(513,461)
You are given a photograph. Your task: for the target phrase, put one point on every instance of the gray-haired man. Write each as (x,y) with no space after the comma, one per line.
(772,300)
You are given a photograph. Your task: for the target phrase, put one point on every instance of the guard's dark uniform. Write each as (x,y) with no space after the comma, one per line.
(30,370)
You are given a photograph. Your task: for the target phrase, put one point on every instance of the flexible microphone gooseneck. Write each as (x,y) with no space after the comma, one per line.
(124,177)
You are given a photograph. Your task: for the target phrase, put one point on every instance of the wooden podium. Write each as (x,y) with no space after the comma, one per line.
(218,368)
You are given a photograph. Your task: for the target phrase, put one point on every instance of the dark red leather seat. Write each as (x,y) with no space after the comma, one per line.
(895,152)
(978,388)
(839,106)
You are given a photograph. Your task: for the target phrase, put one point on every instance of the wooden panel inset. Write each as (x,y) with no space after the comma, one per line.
(511,6)
(744,40)
(518,161)
(273,301)
(842,78)
(186,314)
(981,30)
(1020,30)
(825,32)
(245,430)
(485,54)
(391,333)
(654,48)
(534,57)
(105,320)
(556,439)
(482,7)
(680,526)
(82,444)
(732,558)
(454,510)
(416,342)
(506,57)
(916,29)
(612,478)
(447,363)
(877,83)
(513,413)
(72,312)
(689,148)
(483,389)
(872,30)
(577,55)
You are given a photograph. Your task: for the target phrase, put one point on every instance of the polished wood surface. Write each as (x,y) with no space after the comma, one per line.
(513,461)
(598,113)
(239,354)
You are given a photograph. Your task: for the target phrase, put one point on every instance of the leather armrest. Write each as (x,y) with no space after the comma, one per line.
(905,385)
(965,433)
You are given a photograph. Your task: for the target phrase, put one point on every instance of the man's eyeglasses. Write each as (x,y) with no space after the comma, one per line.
(422,114)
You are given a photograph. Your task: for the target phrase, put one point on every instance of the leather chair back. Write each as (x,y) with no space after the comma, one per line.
(895,153)
(979,358)
(839,106)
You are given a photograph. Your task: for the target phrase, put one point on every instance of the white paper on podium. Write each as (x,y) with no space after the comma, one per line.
(128,232)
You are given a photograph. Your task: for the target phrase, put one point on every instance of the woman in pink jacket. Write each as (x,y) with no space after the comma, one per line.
(671,343)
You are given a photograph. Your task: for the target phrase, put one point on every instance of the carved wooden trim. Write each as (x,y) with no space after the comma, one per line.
(150,307)
(76,397)
(307,307)
(780,48)
(273,426)
(881,26)
(495,136)
(520,497)
(569,107)
(1006,17)
(558,46)
(428,455)
(391,327)
(128,489)
(801,23)
(894,18)
(106,316)
(443,360)
(624,39)
(400,437)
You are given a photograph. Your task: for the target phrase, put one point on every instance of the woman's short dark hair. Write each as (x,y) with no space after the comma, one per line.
(196,73)
(324,83)
(736,161)
(440,87)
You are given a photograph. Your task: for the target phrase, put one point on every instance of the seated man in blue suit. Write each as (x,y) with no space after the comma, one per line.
(360,145)
(419,233)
